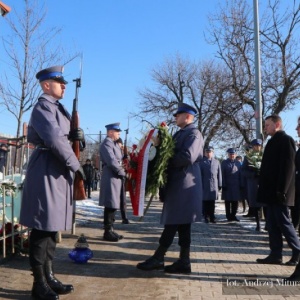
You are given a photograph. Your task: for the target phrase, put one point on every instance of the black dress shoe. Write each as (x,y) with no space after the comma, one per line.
(150,264)
(295,276)
(60,288)
(292,262)
(235,219)
(180,266)
(125,221)
(269,260)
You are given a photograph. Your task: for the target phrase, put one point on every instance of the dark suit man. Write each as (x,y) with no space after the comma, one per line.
(295,211)
(277,191)
(89,176)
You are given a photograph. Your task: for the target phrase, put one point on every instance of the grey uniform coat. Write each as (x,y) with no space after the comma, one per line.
(48,187)
(183,192)
(211,178)
(231,180)
(113,174)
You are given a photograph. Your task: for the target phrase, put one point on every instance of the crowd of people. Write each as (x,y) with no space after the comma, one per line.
(194,182)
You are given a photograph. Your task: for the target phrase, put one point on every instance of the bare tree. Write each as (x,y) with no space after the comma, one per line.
(231,29)
(203,85)
(28,49)
(223,90)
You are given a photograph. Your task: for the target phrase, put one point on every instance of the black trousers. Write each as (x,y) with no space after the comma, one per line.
(168,234)
(295,216)
(109,216)
(42,245)
(209,209)
(231,208)
(279,223)
(88,186)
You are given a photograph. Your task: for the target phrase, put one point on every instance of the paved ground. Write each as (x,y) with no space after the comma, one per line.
(223,264)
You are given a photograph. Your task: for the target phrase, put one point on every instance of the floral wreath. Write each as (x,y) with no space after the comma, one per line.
(147,167)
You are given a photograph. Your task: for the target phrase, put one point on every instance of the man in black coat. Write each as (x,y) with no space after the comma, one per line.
(89,176)
(277,191)
(295,210)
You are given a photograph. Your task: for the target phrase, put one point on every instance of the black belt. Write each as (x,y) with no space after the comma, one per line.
(42,147)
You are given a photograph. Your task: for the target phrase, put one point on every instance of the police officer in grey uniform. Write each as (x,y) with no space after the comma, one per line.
(112,180)
(231,184)
(182,195)
(250,176)
(46,205)
(212,182)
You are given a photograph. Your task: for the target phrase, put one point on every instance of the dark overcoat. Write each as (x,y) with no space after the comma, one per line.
(183,192)
(48,187)
(113,174)
(251,183)
(277,173)
(297,179)
(211,174)
(231,180)
(88,172)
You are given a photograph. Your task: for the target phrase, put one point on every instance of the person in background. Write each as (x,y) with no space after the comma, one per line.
(123,204)
(47,203)
(3,157)
(182,195)
(231,184)
(251,175)
(276,190)
(295,210)
(89,177)
(112,180)
(239,159)
(211,174)
(96,179)
(243,200)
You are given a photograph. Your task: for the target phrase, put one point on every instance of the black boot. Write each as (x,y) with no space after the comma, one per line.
(182,265)
(40,289)
(109,219)
(109,235)
(119,236)
(57,286)
(296,275)
(155,262)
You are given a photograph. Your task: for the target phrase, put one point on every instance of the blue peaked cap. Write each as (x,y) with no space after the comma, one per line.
(185,108)
(209,148)
(114,126)
(231,150)
(256,142)
(54,73)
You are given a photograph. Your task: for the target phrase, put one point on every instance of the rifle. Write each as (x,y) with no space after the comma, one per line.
(125,156)
(79,190)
